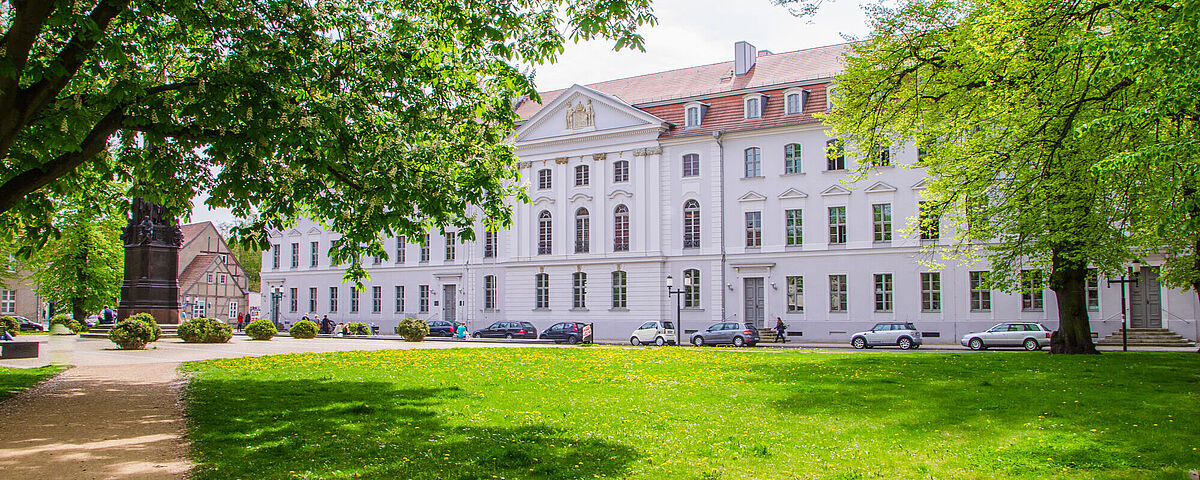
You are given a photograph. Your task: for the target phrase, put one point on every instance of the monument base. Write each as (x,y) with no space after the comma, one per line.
(162,316)
(151,265)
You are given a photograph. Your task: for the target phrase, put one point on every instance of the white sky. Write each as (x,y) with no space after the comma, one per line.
(689,33)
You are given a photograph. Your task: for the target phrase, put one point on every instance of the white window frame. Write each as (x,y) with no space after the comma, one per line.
(545,229)
(621,171)
(793,227)
(545,179)
(881,220)
(621,228)
(620,289)
(583,175)
(541,291)
(795,293)
(579,290)
(801,98)
(931,291)
(690,121)
(690,165)
(752,106)
(8,301)
(793,159)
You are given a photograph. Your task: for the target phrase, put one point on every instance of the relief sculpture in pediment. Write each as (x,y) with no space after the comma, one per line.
(580,116)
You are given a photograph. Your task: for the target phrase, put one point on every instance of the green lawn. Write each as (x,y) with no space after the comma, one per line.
(14,380)
(694,414)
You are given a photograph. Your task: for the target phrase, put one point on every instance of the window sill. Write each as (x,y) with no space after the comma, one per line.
(618,309)
(541,310)
(579,309)
(796,174)
(753,249)
(836,246)
(690,176)
(491,310)
(691,309)
(882,244)
(1033,309)
(842,312)
(843,170)
(796,247)
(981,311)
(884,311)
(756,177)
(931,311)
(794,312)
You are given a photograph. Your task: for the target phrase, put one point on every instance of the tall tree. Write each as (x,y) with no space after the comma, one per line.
(81,270)
(1004,100)
(368,116)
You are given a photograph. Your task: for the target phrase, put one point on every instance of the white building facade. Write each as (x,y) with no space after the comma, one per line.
(719,174)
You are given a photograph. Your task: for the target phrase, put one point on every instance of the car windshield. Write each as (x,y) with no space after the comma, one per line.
(669,325)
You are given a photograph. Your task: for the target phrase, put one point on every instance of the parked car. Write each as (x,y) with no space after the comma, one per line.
(656,332)
(1030,335)
(738,334)
(565,332)
(900,334)
(441,328)
(27,325)
(507,330)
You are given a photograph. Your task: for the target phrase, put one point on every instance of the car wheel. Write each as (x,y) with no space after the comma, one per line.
(508,336)
(859,343)
(975,344)
(660,341)
(634,341)
(1032,344)
(905,343)
(739,342)
(698,341)
(572,340)
(477,335)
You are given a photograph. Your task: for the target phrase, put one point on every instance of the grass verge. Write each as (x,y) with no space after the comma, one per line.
(694,413)
(15,380)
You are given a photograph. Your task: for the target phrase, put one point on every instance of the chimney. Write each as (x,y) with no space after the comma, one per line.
(744,56)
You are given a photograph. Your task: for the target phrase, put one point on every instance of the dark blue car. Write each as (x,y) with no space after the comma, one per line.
(441,328)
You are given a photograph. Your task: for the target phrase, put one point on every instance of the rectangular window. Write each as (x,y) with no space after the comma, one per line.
(753,162)
(312,299)
(399,299)
(275,256)
(752,108)
(793,104)
(424,249)
(931,292)
(198,310)
(293,301)
(579,290)
(233,309)
(489,292)
(691,288)
(401,243)
(451,238)
(837,293)
(376,259)
(791,158)
(620,171)
(208,278)
(883,292)
(795,226)
(981,292)
(753,229)
(582,175)
(489,244)
(1093,290)
(541,290)
(883,221)
(376,299)
(295,255)
(333,294)
(795,294)
(881,156)
(691,165)
(423,299)
(1031,290)
(619,290)
(8,301)
(693,117)
(545,179)
(835,155)
(837,225)
(353,299)
(315,253)
(930,222)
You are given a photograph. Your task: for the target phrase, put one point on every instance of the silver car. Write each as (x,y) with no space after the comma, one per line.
(1030,335)
(737,334)
(900,334)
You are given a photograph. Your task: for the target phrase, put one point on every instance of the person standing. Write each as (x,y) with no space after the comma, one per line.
(780,330)
(241,322)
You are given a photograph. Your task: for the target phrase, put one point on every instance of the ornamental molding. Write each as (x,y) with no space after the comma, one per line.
(599,157)
(643,152)
(561,160)
(580,116)
(524,164)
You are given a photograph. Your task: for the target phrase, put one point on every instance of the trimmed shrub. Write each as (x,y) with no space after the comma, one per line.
(147,319)
(205,330)
(261,329)
(131,334)
(67,322)
(304,329)
(10,325)
(412,329)
(358,328)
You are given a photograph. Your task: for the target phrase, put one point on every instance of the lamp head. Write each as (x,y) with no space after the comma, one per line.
(670,282)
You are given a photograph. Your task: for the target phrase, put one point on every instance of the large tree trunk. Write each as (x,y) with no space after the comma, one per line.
(77,311)
(1068,281)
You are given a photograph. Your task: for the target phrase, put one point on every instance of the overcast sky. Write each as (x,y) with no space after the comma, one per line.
(689,33)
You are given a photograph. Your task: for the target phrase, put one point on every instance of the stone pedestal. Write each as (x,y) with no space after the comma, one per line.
(152,242)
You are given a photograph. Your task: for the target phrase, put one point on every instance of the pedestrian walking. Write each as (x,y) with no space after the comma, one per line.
(780,330)
(462,331)
(241,322)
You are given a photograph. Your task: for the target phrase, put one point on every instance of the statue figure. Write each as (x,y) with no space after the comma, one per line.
(145,230)
(580,116)
(590,115)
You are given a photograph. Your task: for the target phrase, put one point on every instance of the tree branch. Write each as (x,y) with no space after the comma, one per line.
(27,23)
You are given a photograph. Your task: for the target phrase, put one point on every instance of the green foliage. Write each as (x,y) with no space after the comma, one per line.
(261,329)
(10,325)
(82,268)
(358,328)
(14,380)
(132,334)
(412,329)
(205,330)
(599,412)
(304,329)
(150,322)
(66,321)
(373,116)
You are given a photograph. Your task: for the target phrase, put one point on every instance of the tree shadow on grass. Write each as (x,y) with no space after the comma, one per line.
(364,429)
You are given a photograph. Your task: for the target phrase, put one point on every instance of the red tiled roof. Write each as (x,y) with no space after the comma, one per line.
(726,113)
(773,69)
(192,229)
(196,269)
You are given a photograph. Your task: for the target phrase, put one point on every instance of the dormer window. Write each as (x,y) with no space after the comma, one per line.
(795,99)
(752,105)
(830,91)
(544,179)
(694,114)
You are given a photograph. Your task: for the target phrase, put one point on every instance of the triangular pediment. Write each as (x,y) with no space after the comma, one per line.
(921,184)
(835,190)
(752,196)
(294,233)
(581,111)
(880,187)
(314,231)
(274,233)
(793,193)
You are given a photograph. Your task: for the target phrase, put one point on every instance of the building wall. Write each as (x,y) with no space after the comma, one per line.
(27,303)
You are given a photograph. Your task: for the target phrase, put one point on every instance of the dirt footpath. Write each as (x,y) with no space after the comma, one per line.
(97,422)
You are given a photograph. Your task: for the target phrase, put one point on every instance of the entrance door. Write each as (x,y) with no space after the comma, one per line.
(754,301)
(1145,300)
(448,302)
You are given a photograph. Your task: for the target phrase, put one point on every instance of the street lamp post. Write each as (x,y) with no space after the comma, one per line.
(687,283)
(1130,279)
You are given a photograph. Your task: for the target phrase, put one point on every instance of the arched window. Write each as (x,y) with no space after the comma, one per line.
(541,290)
(691,224)
(691,165)
(583,226)
(545,232)
(753,162)
(791,158)
(620,171)
(691,282)
(621,229)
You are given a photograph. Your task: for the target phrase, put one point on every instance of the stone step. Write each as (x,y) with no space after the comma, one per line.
(1117,341)
(1147,337)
